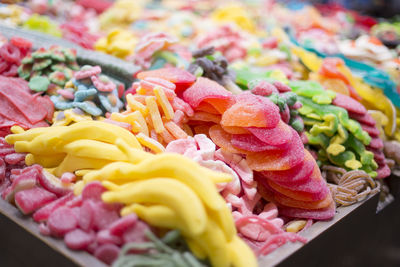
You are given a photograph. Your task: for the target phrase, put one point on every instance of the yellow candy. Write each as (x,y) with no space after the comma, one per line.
(154,114)
(164,103)
(237,14)
(150,143)
(136,105)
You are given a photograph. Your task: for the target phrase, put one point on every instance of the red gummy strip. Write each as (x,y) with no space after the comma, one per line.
(23,101)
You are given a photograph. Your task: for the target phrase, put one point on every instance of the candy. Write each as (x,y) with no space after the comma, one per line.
(32,199)
(349,187)
(39,84)
(207,91)
(43,24)
(62,221)
(278,136)
(181,78)
(278,159)
(296,175)
(78,239)
(44,212)
(251,111)
(95,98)
(349,104)
(47,69)
(19,107)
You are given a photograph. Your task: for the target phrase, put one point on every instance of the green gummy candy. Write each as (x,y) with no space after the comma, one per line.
(39,84)
(27,60)
(24,71)
(41,64)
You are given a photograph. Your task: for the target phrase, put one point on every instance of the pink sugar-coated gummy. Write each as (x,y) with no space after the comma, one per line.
(78,239)
(379,156)
(105,237)
(251,111)
(53,184)
(363,119)
(86,215)
(264,88)
(121,225)
(179,104)
(20,182)
(282,88)
(75,202)
(278,136)
(103,86)
(61,221)
(296,175)
(204,89)
(319,214)
(180,146)
(372,131)
(68,177)
(376,143)
(250,143)
(313,189)
(82,74)
(161,82)
(104,215)
(14,158)
(65,94)
(136,234)
(32,199)
(349,104)
(43,213)
(272,160)
(107,253)
(383,172)
(93,190)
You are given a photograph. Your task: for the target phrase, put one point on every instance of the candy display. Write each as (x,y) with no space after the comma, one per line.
(233,136)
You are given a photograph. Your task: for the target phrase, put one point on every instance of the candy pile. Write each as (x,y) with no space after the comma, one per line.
(20,107)
(176,193)
(88,91)
(47,70)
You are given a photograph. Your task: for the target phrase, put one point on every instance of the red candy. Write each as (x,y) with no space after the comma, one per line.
(11,54)
(32,199)
(61,221)
(78,239)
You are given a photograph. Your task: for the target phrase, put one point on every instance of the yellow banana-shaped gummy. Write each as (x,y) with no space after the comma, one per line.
(166,191)
(52,140)
(241,254)
(195,248)
(28,135)
(94,149)
(49,161)
(168,165)
(156,215)
(223,217)
(72,163)
(213,242)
